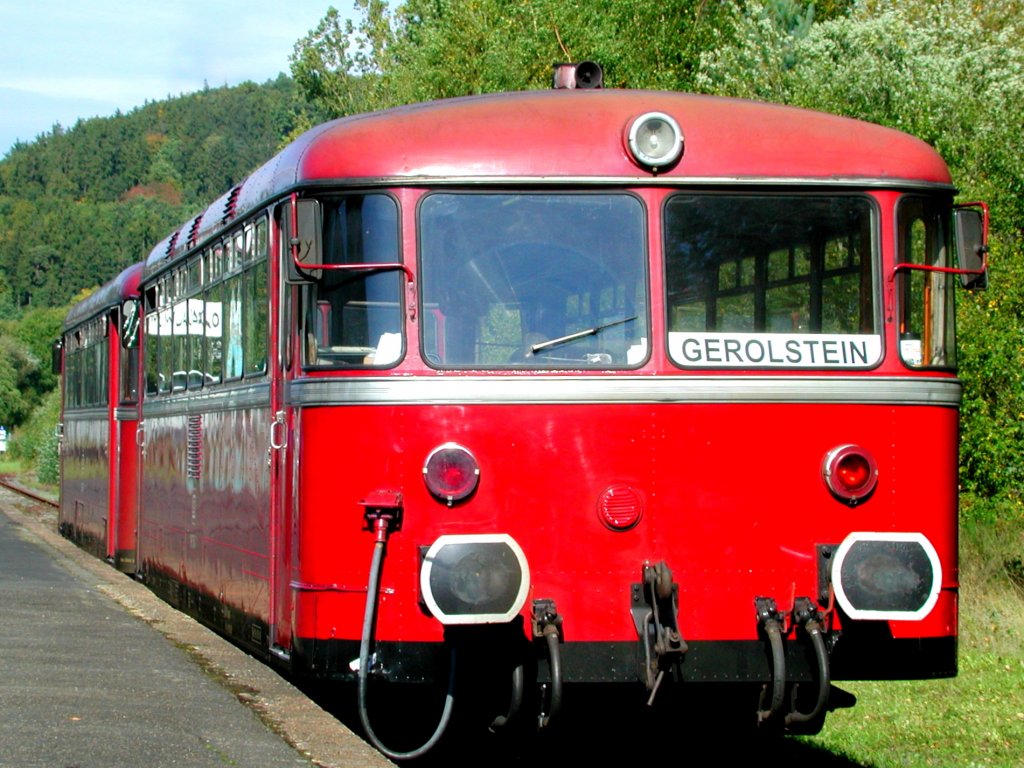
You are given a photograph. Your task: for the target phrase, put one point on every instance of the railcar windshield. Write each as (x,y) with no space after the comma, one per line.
(531,280)
(771,281)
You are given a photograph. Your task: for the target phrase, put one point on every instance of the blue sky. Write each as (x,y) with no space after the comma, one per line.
(61,60)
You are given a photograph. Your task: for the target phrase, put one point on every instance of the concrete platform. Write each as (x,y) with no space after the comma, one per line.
(97,671)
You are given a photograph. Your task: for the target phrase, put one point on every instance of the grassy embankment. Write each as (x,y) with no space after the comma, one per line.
(977,718)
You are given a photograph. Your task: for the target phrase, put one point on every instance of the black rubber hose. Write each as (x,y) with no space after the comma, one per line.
(824,676)
(774,632)
(555,659)
(518,685)
(369,616)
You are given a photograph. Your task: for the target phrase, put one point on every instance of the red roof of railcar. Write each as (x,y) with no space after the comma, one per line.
(575,134)
(106,297)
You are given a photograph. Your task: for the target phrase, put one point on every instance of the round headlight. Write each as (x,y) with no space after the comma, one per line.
(451,472)
(655,140)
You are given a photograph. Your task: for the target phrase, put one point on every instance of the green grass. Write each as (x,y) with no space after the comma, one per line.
(977,718)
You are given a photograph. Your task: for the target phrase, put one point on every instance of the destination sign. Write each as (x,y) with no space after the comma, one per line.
(775,350)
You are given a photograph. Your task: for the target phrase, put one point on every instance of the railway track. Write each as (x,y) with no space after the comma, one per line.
(7,482)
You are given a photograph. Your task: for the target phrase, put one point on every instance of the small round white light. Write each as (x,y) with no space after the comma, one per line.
(655,140)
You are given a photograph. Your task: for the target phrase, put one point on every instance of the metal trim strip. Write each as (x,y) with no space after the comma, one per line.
(253,396)
(466,390)
(633,182)
(126,413)
(99,412)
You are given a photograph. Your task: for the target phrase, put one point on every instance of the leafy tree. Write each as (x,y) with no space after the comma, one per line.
(36,332)
(429,49)
(36,441)
(952,73)
(19,375)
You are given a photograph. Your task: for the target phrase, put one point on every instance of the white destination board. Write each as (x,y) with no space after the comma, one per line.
(774,350)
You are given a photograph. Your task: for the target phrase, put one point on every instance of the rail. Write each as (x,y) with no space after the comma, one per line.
(7,482)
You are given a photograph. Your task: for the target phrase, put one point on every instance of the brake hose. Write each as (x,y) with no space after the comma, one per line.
(369,618)
(774,631)
(813,629)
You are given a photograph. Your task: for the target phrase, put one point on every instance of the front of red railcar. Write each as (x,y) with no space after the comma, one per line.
(631,388)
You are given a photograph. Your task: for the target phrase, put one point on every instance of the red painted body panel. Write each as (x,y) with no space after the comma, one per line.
(125,480)
(723,138)
(85,479)
(733,501)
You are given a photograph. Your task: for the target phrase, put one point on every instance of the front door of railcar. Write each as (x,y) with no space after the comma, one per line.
(280,450)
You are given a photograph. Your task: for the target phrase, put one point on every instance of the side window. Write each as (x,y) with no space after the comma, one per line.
(925,297)
(232,316)
(165,349)
(127,318)
(207,320)
(354,318)
(151,343)
(257,308)
(180,362)
(214,330)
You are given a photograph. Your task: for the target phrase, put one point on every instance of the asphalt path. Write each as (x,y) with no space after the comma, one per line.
(97,671)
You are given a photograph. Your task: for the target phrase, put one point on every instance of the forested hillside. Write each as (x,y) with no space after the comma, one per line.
(78,205)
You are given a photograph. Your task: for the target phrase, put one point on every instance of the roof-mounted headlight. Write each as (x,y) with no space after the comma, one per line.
(655,140)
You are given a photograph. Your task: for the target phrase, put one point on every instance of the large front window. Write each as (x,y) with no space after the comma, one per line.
(522,280)
(780,281)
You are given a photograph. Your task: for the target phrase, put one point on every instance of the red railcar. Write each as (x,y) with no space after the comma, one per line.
(636,388)
(98,500)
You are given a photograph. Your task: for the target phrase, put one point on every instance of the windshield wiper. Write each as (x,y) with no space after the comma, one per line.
(535,348)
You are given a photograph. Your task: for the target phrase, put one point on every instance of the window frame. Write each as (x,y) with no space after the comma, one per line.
(572,366)
(760,327)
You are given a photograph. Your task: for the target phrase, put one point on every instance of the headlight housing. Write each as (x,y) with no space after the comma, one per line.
(475,579)
(655,140)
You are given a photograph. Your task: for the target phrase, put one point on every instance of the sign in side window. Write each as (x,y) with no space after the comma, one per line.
(770,281)
(531,280)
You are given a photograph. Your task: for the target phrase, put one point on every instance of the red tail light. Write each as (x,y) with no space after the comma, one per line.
(850,472)
(451,472)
